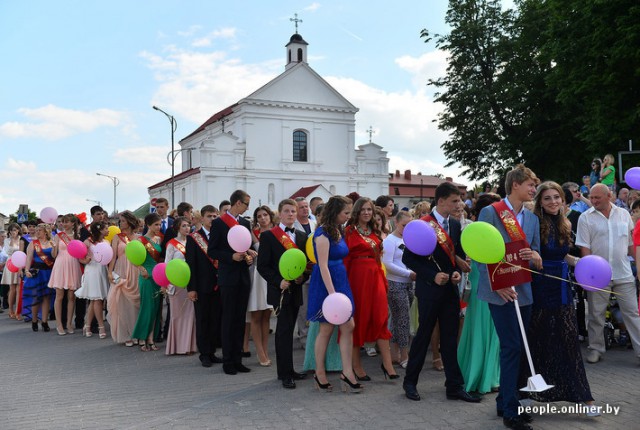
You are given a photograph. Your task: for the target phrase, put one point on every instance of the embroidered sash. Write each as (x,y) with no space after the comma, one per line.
(509,221)
(177,245)
(124,238)
(444,240)
(199,239)
(283,238)
(64,237)
(150,249)
(229,220)
(37,247)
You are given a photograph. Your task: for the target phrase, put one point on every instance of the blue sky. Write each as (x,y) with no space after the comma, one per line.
(79,79)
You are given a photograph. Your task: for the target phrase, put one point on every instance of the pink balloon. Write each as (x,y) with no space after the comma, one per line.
(337,308)
(49,215)
(239,238)
(103,253)
(159,274)
(19,259)
(11,267)
(77,249)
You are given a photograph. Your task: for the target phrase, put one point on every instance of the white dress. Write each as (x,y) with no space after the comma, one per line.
(258,295)
(95,284)
(9,278)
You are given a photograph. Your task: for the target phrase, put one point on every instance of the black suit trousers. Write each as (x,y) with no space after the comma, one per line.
(437,303)
(208,322)
(284,339)
(234,308)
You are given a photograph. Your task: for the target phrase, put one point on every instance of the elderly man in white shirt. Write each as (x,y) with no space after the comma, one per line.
(605,230)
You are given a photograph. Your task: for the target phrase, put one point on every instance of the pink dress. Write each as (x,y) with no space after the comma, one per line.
(181,338)
(123,301)
(66,272)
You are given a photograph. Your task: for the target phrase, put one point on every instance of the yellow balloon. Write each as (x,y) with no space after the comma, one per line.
(309,249)
(113,230)
(384,269)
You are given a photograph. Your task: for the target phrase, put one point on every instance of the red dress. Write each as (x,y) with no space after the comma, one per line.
(368,285)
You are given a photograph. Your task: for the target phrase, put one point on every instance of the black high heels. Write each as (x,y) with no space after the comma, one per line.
(350,386)
(387,375)
(34,325)
(45,326)
(365,378)
(327,388)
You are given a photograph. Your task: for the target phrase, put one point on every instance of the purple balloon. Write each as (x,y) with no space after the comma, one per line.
(337,308)
(632,177)
(593,273)
(420,237)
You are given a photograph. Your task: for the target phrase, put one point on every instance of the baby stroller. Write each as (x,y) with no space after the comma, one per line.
(613,323)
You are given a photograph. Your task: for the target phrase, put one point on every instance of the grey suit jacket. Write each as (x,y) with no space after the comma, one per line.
(531,229)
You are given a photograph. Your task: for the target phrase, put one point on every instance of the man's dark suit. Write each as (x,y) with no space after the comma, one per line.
(269,255)
(204,281)
(235,285)
(436,303)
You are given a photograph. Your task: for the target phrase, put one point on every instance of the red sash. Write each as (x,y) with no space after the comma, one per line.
(444,240)
(229,220)
(502,275)
(124,238)
(177,245)
(64,237)
(150,249)
(37,247)
(283,238)
(199,239)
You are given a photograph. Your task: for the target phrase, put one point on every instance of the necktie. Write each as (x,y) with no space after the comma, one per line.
(445,225)
(164,226)
(289,230)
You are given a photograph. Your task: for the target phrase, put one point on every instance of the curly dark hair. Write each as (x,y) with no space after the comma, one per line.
(332,209)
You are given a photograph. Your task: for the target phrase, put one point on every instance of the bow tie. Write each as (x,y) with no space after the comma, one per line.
(289,230)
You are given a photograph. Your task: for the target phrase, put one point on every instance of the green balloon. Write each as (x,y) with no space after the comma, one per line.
(135,252)
(483,242)
(292,264)
(178,273)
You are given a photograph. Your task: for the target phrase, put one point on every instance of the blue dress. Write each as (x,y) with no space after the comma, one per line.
(37,287)
(553,331)
(317,290)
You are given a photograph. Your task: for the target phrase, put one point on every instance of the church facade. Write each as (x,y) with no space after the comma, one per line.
(294,132)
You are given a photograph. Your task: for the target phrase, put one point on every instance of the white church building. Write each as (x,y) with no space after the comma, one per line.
(294,134)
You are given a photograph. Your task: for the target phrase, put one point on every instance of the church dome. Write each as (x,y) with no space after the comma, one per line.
(296,38)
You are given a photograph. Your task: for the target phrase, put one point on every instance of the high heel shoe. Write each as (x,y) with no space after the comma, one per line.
(327,388)
(34,325)
(102,334)
(61,331)
(365,377)
(387,374)
(350,386)
(45,326)
(86,331)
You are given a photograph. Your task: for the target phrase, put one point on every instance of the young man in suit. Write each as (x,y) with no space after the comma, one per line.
(233,279)
(437,278)
(285,296)
(203,289)
(520,184)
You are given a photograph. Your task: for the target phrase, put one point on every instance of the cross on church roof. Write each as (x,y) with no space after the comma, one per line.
(370,131)
(296,20)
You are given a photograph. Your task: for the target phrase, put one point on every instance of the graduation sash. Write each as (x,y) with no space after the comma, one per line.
(283,238)
(229,220)
(150,249)
(177,245)
(124,238)
(37,247)
(64,237)
(444,241)
(199,239)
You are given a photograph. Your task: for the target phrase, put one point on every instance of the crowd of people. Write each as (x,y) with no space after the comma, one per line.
(358,249)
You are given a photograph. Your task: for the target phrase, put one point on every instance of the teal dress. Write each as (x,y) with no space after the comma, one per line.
(333,359)
(150,300)
(479,347)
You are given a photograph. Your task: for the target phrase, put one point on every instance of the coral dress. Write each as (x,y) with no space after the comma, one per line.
(67,271)
(369,286)
(123,301)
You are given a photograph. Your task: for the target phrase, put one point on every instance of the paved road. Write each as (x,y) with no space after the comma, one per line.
(72,382)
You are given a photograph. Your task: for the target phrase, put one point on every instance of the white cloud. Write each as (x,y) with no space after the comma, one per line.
(312,7)
(53,122)
(153,155)
(430,65)
(192,30)
(228,33)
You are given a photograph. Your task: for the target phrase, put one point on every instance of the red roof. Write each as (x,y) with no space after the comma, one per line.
(185,174)
(304,191)
(216,117)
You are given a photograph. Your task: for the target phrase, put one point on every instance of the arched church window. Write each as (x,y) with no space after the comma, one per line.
(299,55)
(299,146)
(289,56)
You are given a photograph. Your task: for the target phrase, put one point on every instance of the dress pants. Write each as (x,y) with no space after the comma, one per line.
(437,303)
(511,347)
(234,308)
(303,327)
(208,320)
(284,339)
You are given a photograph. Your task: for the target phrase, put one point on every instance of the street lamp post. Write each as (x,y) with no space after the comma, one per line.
(116,182)
(98,202)
(174,126)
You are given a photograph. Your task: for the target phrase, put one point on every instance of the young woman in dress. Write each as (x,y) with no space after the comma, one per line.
(258,307)
(37,275)
(369,286)
(66,273)
(123,301)
(95,284)
(25,300)
(330,276)
(181,337)
(12,279)
(148,324)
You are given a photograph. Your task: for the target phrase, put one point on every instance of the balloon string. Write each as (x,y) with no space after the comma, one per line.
(586,287)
